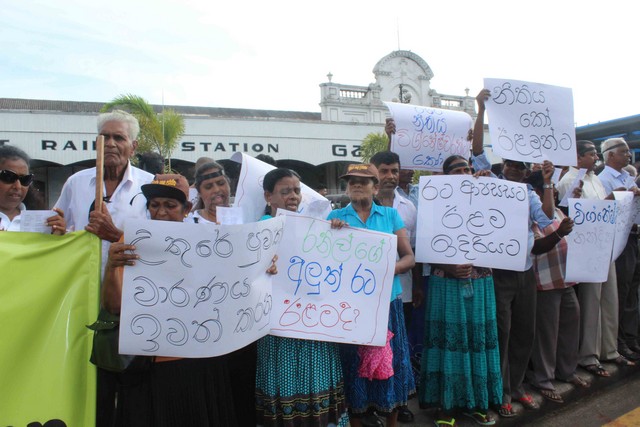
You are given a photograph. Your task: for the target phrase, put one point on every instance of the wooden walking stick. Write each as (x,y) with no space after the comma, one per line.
(99,172)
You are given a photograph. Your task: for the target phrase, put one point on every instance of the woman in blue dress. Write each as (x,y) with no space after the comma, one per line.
(385,396)
(298,382)
(460,367)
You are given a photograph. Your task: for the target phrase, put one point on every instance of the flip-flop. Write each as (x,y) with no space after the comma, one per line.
(442,422)
(480,418)
(598,370)
(527,401)
(551,395)
(506,411)
(578,382)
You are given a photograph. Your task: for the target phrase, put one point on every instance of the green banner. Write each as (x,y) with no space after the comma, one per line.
(49,288)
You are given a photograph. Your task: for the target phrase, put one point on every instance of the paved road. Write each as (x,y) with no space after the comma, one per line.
(605,401)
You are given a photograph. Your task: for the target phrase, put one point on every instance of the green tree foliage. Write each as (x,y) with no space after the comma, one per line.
(158,131)
(373,143)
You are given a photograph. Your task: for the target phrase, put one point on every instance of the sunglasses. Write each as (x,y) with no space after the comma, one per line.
(9,177)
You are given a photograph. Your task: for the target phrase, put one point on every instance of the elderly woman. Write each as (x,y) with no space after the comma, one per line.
(460,367)
(174,391)
(299,382)
(15,180)
(385,396)
(213,188)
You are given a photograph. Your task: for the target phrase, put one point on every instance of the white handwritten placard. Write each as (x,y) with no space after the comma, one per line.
(250,194)
(36,221)
(466,220)
(333,285)
(590,242)
(531,122)
(426,136)
(625,216)
(198,290)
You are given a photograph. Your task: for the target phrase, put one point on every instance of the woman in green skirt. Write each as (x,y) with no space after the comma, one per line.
(460,368)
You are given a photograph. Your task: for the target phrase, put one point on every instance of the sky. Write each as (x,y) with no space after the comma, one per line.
(275,54)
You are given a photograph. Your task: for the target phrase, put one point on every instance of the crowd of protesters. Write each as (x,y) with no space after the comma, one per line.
(464,339)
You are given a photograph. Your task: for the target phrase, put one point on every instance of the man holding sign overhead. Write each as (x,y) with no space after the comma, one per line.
(515,290)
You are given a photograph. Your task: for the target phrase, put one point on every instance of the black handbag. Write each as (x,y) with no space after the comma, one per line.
(105,355)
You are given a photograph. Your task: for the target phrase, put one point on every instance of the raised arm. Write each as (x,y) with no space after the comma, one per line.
(477,145)
(548,199)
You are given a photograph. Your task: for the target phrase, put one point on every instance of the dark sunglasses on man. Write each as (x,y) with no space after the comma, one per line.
(9,177)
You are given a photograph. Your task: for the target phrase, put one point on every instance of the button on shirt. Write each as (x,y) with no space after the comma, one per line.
(536,214)
(8,225)
(127,201)
(381,218)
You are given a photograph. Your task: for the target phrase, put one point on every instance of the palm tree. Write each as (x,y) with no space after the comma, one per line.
(373,143)
(158,132)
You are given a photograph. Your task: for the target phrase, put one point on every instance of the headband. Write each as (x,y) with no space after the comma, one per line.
(202,178)
(455,166)
(619,144)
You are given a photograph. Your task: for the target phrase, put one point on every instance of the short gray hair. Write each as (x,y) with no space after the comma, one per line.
(608,144)
(120,116)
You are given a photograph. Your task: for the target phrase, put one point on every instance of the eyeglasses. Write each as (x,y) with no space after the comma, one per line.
(9,177)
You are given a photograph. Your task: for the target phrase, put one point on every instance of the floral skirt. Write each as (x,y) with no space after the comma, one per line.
(461,359)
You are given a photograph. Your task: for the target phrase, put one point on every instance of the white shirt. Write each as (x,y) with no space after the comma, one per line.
(409,216)
(592,187)
(127,201)
(8,225)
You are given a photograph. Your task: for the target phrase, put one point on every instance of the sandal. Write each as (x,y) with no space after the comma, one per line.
(578,382)
(480,418)
(527,401)
(598,370)
(506,410)
(443,422)
(551,395)
(622,361)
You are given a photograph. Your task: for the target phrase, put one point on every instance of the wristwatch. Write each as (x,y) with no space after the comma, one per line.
(547,186)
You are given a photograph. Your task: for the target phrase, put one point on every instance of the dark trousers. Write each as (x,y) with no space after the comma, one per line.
(628,317)
(555,352)
(516,314)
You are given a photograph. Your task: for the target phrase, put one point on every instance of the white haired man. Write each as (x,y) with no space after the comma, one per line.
(614,177)
(122,183)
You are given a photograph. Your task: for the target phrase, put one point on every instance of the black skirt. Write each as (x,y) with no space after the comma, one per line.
(184,392)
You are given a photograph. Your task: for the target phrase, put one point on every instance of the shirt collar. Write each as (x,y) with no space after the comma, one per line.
(615,173)
(127,177)
(573,168)
(375,209)
(22,208)
(402,199)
